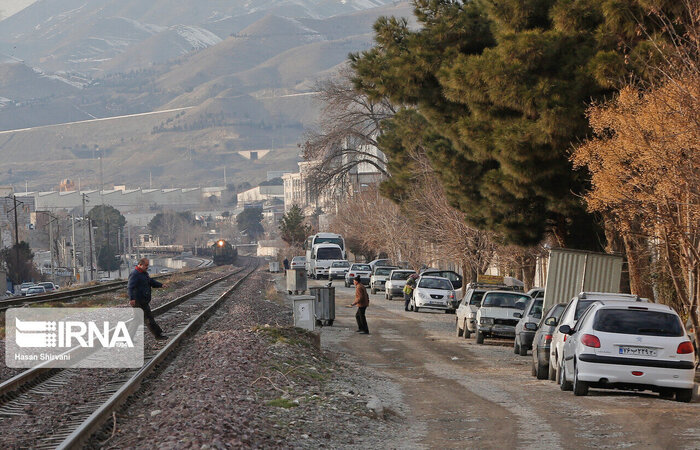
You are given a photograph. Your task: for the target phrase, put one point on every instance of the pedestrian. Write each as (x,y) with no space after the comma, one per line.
(285,264)
(362,302)
(408,290)
(139,290)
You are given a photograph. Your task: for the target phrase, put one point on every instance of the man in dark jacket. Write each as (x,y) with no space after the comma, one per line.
(139,290)
(362,302)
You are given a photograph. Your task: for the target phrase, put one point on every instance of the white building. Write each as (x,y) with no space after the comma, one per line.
(260,194)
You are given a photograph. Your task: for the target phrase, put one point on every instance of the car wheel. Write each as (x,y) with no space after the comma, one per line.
(563,383)
(460,332)
(516,346)
(684,395)
(542,371)
(523,350)
(667,393)
(479,337)
(551,373)
(580,387)
(415,308)
(467,333)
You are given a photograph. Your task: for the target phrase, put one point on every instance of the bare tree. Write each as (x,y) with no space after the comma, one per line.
(347,133)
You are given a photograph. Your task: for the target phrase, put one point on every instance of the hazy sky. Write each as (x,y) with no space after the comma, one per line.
(9,7)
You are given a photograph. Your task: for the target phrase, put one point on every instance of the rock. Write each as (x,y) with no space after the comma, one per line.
(304,436)
(155,412)
(375,405)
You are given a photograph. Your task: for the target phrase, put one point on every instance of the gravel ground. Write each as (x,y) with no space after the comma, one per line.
(249,379)
(177,285)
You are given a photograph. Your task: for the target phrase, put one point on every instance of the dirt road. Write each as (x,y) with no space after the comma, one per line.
(453,393)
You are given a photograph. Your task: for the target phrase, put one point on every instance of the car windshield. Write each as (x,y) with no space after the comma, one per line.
(435,283)
(341,264)
(328,253)
(581,307)
(383,271)
(503,300)
(400,275)
(556,311)
(636,322)
(361,267)
(536,310)
(299,259)
(329,240)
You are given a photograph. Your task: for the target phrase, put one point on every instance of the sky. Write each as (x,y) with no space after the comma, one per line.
(9,7)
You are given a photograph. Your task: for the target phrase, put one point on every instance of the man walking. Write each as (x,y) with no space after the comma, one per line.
(362,302)
(139,290)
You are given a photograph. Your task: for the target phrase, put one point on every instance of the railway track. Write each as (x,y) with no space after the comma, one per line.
(110,286)
(38,385)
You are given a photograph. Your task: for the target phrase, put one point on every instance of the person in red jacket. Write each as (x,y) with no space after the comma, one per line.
(362,302)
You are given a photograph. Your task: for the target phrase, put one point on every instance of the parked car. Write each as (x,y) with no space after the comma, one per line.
(48,286)
(35,290)
(338,269)
(380,262)
(363,270)
(543,340)
(164,271)
(497,314)
(536,292)
(298,262)
(574,309)
(432,293)
(396,282)
(618,345)
(455,279)
(24,287)
(378,278)
(469,305)
(526,327)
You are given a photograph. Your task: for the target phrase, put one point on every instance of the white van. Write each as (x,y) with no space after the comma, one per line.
(322,256)
(322,238)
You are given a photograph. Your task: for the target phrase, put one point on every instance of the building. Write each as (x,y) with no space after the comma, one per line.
(260,194)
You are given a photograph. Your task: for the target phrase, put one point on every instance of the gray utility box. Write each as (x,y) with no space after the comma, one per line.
(304,312)
(274,266)
(325,304)
(296,281)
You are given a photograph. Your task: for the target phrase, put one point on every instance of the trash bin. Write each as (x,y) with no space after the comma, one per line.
(296,281)
(325,304)
(274,266)
(304,312)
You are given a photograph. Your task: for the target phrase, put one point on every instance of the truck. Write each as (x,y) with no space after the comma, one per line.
(320,259)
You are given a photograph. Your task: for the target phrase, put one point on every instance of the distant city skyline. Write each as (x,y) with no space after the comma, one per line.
(10,7)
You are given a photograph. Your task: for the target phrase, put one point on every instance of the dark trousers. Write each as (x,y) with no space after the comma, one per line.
(406,300)
(361,319)
(149,319)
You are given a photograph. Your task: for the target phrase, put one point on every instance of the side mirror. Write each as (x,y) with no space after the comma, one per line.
(565,329)
(517,315)
(552,322)
(532,326)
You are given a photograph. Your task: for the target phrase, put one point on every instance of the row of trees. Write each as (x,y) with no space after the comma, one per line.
(478,109)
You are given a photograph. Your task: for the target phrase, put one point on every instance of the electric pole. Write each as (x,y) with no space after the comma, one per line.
(84,241)
(92,265)
(73,248)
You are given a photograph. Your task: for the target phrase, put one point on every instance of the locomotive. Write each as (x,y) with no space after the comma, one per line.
(224,253)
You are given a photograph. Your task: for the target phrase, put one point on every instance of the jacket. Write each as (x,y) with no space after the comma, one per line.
(410,286)
(139,286)
(361,297)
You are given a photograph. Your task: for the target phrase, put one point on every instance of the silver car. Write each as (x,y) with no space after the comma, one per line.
(338,269)
(362,270)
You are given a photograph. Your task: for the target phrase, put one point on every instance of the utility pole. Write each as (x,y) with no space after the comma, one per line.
(73,248)
(119,248)
(84,241)
(92,265)
(14,209)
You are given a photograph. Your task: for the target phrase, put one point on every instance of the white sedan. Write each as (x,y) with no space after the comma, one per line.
(618,345)
(432,293)
(298,263)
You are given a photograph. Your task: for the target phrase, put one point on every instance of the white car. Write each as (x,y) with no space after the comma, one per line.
(396,282)
(338,269)
(624,345)
(378,278)
(36,290)
(432,293)
(499,313)
(298,262)
(574,309)
(362,270)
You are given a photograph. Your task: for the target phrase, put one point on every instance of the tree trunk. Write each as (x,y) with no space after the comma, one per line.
(529,266)
(638,262)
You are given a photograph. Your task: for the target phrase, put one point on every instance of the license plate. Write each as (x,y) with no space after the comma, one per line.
(638,351)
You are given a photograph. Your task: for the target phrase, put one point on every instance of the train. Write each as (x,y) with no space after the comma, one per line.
(223,252)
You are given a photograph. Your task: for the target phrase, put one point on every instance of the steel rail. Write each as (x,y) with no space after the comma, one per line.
(95,421)
(41,373)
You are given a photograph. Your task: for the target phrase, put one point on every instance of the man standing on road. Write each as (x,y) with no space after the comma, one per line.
(362,302)
(285,264)
(139,290)
(408,290)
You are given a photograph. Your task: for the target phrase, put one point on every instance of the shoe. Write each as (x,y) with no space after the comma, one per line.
(358,331)
(364,332)
(162,337)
